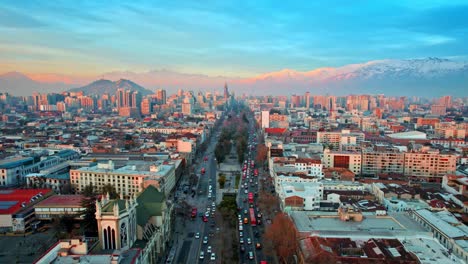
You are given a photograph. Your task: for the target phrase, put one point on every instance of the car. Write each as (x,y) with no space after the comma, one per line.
(239,217)
(208,250)
(242,248)
(256,234)
(213,204)
(249,241)
(245,191)
(245,211)
(213,256)
(258,246)
(241,228)
(207,213)
(251,255)
(205,219)
(241,234)
(241,240)
(205,240)
(202,255)
(197,235)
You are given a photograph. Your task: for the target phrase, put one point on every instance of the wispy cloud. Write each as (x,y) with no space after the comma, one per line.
(224,37)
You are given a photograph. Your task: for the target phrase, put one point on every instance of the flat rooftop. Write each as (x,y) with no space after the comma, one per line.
(429,251)
(62,201)
(329,224)
(11,200)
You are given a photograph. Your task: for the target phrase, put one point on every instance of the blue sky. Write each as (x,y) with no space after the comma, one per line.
(230,38)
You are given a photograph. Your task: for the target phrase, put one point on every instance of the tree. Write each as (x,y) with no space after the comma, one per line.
(268,202)
(64,226)
(262,152)
(222,180)
(284,236)
(219,153)
(109,188)
(89,203)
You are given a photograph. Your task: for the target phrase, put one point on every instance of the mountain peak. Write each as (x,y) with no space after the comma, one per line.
(15,75)
(103,86)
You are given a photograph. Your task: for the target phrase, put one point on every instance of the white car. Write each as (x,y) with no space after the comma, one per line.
(213,256)
(249,241)
(208,250)
(246,191)
(202,255)
(205,240)
(213,205)
(197,235)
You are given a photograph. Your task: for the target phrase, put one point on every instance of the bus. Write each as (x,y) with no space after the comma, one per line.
(253,221)
(251,198)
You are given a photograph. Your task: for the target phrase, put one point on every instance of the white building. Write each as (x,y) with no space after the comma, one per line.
(300,196)
(447,229)
(265,119)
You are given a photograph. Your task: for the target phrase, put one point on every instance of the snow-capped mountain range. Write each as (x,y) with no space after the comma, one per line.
(428,77)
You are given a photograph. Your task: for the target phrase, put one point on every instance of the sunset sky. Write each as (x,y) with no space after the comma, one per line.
(229,38)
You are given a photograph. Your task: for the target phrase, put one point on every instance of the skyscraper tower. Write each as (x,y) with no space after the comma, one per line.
(307,100)
(161,96)
(226,92)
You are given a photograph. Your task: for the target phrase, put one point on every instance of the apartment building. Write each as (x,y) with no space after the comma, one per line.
(312,167)
(341,159)
(429,163)
(336,140)
(128,180)
(450,130)
(376,162)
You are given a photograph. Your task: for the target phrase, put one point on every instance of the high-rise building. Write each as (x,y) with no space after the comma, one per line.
(120,98)
(161,96)
(446,101)
(146,108)
(307,100)
(438,110)
(226,92)
(128,102)
(295,100)
(265,119)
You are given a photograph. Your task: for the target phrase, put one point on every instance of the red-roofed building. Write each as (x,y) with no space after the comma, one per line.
(16,208)
(275,131)
(59,205)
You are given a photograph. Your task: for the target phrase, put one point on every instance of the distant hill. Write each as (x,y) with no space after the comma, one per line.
(100,87)
(18,84)
(430,77)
